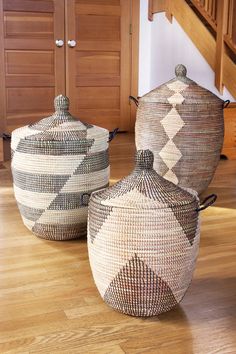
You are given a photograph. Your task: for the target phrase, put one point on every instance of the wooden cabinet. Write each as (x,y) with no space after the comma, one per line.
(94,70)
(32,66)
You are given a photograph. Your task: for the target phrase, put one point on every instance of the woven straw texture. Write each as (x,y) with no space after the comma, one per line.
(143,239)
(182,124)
(56,164)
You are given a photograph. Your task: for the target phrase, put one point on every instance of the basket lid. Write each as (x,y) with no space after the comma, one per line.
(61,126)
(145,189)
(181,90)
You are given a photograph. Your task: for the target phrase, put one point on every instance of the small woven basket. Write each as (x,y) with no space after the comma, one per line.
(143,239)
(182,124)
(56,164)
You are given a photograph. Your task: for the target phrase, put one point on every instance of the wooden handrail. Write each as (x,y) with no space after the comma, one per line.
(220,15)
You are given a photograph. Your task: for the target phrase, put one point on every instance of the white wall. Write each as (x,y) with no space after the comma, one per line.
(164,45)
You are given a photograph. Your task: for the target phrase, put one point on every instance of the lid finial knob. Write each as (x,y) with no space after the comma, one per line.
(144,159)
(61,103)
(180,70)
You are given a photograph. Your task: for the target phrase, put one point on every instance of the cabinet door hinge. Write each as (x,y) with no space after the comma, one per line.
(130,28)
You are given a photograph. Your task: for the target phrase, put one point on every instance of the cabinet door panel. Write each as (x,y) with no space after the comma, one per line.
(98,67)
(97,27)
(29,62)
(28,25)
(98,62)
(32,66)
(98,97)
(24,100)
(29,5)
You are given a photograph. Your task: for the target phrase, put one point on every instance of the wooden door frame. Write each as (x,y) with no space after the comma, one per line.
(2,79)
(135,14)
(2,85)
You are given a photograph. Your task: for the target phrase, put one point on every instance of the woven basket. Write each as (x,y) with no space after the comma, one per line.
(182,124)
(143,238)
(56,164)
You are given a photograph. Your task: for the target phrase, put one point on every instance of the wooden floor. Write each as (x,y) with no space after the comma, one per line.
(49,303)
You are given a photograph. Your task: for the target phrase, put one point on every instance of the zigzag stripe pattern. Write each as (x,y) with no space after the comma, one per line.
(143,239)
(172,124)
(57,163)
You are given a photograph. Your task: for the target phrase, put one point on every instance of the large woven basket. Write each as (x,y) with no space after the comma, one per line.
(182,124)
(56,164)
(143,238)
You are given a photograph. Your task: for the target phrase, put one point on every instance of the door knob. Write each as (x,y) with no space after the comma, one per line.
(59,42)
(71,43)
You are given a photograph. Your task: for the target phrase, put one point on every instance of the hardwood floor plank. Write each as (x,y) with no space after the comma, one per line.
(49,303)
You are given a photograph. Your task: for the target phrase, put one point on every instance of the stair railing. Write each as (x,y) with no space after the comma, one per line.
(220,16)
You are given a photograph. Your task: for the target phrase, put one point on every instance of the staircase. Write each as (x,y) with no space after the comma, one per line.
(211,25)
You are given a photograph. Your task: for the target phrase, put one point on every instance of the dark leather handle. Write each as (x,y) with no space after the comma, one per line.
(5,136)
(85,199)
(226,103)
(112,134)
(134,99)
(208,201)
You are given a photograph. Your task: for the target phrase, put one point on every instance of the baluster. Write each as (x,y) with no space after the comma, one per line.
(234,23)
(150,10)
(230,19)
(222,12)
(168,10)
(214,10)
(210,8)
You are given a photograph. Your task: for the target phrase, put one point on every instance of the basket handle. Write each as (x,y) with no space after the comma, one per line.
(112,134)
(226,103)
(135,99)
(5,136)
(208,201)
(85,199)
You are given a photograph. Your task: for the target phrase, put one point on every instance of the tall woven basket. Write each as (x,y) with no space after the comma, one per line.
(182,124)
(56,164)
(143,239)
